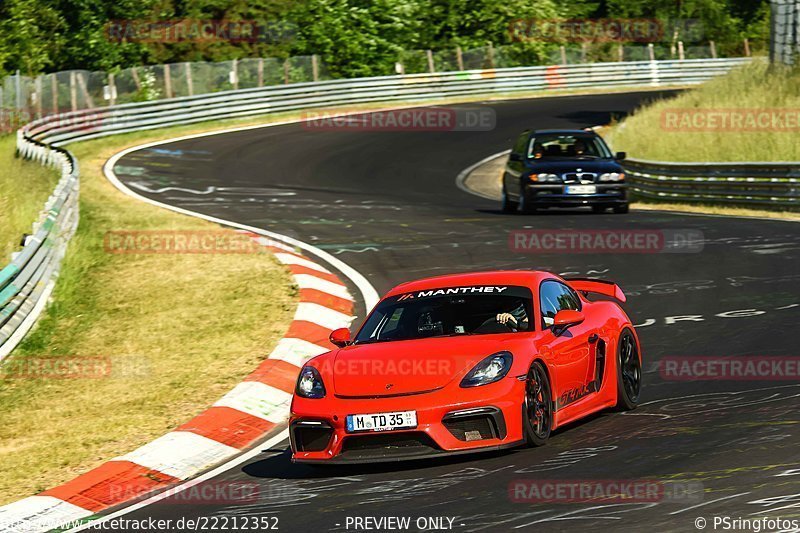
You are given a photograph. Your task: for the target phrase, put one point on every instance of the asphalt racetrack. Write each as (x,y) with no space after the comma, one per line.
(386,203)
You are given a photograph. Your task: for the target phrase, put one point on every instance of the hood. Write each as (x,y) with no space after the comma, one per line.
(408,367)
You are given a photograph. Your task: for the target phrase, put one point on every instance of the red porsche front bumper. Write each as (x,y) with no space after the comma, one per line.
(450,420)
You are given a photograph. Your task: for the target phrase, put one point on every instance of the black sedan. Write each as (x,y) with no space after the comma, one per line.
(563,168)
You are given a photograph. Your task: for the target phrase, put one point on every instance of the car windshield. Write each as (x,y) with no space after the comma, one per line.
(570,146)
(472,310)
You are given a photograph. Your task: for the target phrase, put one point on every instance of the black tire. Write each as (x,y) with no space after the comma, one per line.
(629,372)
(525,206)
(537,408)
(621,209)
(598,209)
(508,205)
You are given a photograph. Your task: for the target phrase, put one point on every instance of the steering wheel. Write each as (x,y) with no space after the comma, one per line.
(491,325)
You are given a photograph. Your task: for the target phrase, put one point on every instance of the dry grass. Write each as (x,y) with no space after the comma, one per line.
(756,86)
(181,330)
(24,189)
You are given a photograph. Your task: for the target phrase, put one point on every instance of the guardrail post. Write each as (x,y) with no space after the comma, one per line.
(431,68)
(54,92)
(746,47)
(85,90)
(459,58)
(73,91)
(286,72)
(112,89)
(713,48)
(654,78)
(315,67)
(235,74)
(136,80)
(260,71)
(38,96)
(620,53)
(681,55)
(18,88)
(167,82)
(563,50)
(491,55)
(583,52)
(651,51)
(189,81)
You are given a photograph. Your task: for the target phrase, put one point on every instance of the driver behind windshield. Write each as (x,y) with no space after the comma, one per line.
(516,318)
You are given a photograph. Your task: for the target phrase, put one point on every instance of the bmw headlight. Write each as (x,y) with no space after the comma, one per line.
(612,176)
(545,178)
(309,384)
(491,369)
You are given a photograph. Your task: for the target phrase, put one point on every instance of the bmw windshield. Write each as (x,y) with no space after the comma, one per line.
(570,146)
(449,311)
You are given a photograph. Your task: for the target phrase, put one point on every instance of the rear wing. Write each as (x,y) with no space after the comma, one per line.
(598,286)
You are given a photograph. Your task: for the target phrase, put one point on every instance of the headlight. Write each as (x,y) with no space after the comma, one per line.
(544,178)
(612,176)
(491,369)
(309,383)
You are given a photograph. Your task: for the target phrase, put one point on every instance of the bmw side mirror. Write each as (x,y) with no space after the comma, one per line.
(620,156)
(340,337)
(565,319)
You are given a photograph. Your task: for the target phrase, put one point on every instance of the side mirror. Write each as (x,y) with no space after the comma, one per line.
(619,156)
(565,319)
(340,337)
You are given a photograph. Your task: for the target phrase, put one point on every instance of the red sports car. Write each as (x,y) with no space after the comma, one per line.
(467,362)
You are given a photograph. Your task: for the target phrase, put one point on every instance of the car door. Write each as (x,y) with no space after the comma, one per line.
(571,350)
(515,165)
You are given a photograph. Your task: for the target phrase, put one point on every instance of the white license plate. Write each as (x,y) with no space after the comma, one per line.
(381,421)
(581,189)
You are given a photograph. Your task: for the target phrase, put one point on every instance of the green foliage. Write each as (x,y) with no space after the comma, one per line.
(353,37)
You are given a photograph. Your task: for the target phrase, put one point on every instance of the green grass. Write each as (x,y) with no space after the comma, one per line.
(179,330)
(24,189)
(756,86)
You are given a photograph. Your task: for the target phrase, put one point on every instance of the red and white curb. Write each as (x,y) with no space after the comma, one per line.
(246,414)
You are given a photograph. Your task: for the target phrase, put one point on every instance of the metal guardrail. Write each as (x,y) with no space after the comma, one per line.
(26,283)
(772,184)
(83,125)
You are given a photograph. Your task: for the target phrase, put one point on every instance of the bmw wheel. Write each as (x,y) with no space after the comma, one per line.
(509,205)
(621,209)
(629,372)
(525,206)
(537,412)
